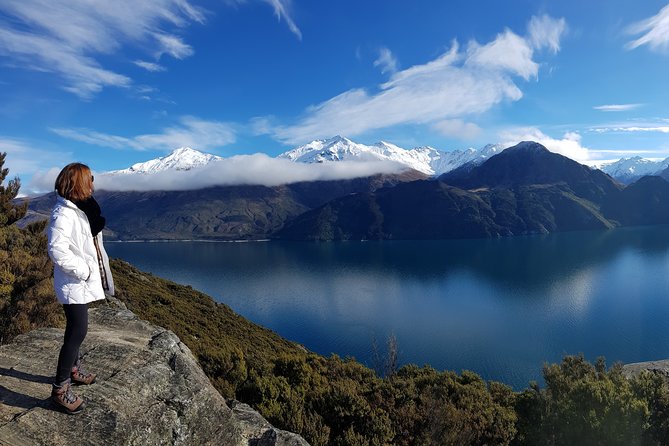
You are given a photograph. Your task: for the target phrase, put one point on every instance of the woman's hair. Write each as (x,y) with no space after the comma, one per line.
(75,182)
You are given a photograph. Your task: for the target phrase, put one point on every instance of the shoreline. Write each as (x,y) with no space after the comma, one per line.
(186,240)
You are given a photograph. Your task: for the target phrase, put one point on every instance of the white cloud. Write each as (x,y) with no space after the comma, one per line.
(66,36)
(655,31)
(84,75)
(569,145)
(507,53)
(191,132)
(149,66)
(453,86)
(632,128)
(617,107)
(43,181)
(173,46)
(545,31)
(387,61)
(457,128)
(257,169)
(23,158)
(27,161)
(282,11)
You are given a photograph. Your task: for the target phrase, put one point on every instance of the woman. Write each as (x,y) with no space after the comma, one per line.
(81,274)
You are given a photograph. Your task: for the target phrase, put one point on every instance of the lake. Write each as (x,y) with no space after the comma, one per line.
(498,307)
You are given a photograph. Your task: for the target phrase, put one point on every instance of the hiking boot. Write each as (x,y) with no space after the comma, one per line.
(66,399)
(79,376)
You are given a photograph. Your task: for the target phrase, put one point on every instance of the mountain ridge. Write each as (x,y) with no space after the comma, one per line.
(244,212)
(525,189)
(425,159)
(183,158)
(528,163)
(629,170)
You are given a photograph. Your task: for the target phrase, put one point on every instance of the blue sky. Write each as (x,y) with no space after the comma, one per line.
(127,81)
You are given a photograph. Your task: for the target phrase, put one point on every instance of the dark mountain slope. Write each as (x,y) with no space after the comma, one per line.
(526,189)
(421,209)
(530,163)
(435,210)
(644,202)
(223,212)
(665,174)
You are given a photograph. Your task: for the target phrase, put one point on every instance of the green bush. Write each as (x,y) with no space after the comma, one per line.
(588,404)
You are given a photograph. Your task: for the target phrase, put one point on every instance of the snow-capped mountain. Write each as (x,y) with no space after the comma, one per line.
(424,159)
(447,161)
(628,170)
(183,158)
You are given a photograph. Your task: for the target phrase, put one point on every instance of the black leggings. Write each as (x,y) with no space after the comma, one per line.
(75,332)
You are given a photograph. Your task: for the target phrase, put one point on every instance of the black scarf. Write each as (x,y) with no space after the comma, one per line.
(92,210)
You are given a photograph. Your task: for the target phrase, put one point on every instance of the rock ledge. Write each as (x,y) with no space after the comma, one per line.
(661,367)
(150,390)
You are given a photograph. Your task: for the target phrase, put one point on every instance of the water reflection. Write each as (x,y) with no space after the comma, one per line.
(499,307)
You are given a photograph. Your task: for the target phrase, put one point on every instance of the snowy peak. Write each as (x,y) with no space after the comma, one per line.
(427,160)
(423,159)
(183,158)
(628,170)
(321,150)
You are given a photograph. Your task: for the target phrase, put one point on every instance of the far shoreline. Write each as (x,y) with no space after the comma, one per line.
(187,240)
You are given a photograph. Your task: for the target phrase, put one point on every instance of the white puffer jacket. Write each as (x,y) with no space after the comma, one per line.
(76,272)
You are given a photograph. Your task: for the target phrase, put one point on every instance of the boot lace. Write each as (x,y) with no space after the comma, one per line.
(81,373)
(69,396)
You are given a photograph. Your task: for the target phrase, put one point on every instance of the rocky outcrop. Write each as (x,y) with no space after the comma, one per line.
(660,367)
(150,391)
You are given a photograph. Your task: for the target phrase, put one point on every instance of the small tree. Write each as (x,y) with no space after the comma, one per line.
(386,364)
(9,212)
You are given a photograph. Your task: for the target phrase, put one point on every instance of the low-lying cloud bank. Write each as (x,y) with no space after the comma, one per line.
(256,169)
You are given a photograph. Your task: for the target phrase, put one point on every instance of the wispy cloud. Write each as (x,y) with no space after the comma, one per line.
(172,45)
(191,132)
(149,66)
(508,54)
(453,86)
(387,61)
(569,145)
(83,75)
(25,159)
(617,107)
(256,169)
(546,32)
(69,37)
(282,10)
(654,30)
(632,129)
(633,126)
(66,36)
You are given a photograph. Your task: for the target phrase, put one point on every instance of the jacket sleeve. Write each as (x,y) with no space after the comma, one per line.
(62,250)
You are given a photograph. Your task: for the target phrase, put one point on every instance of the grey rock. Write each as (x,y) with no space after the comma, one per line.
(150,390)
(660,367)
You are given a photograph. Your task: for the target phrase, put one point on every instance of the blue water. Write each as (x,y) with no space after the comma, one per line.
(501,308)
